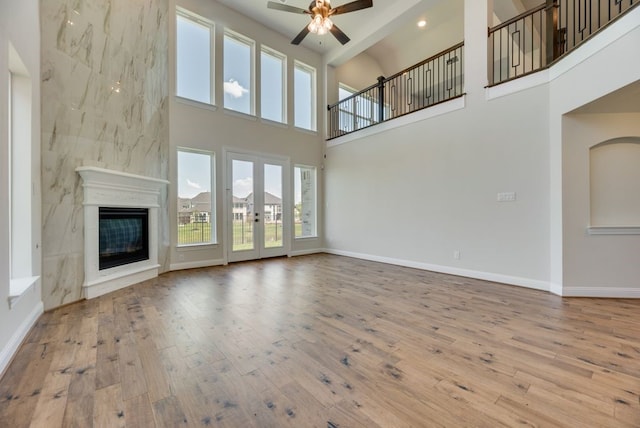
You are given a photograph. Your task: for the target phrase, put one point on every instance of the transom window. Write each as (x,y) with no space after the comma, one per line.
(194,57)
(304,96)
(273,75)
(238,73)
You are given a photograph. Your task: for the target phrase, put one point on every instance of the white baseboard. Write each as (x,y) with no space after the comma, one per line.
(195,265)
(556,288)
(306,252)
(487,276)
(10,349)
(602,292)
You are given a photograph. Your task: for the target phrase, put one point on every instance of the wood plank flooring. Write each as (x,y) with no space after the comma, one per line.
(327,341)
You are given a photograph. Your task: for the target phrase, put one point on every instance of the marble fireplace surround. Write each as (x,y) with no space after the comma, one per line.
(109,188)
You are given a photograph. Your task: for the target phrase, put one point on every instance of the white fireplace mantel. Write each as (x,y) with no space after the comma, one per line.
(108,188)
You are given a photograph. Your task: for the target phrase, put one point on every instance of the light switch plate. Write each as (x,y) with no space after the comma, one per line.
(506,197)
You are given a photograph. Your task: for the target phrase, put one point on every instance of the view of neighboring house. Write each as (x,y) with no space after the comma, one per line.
(195,210)
(272,207)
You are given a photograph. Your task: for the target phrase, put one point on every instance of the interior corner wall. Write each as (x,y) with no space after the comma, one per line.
(19,25)
(421,193)
(593,261)
(104,103)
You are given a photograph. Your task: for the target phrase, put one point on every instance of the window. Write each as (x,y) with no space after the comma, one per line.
(304,96)
(194,57)
(273,77)
(305,201)
(357,112)
(21,240)
(238,73)
(196,200)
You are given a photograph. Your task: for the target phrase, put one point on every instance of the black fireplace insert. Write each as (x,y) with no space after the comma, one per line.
(123,236)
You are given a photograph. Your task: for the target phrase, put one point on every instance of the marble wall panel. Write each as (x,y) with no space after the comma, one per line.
(104,103)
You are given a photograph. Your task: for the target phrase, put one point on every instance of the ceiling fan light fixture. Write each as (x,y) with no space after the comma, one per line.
(320,25)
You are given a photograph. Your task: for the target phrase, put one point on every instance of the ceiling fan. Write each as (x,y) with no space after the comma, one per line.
(321,12)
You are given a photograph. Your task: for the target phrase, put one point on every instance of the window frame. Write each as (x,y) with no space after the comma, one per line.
(22,260)
(200,20)
(314,170)
(299,65)
(266,50)
(214,206)
(241,38)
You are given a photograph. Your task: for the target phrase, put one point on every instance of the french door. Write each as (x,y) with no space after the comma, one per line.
(257,197)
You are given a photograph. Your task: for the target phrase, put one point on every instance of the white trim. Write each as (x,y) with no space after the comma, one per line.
(18,287)
(12,346)
(517,85)
(297,253)
(240,114)
(407,119)
(602,292)
(613,230)
(487,276)
(555,288)
(195,103)
(198,264)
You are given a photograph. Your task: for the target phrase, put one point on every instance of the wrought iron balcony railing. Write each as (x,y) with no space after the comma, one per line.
(430,82)
(535,39)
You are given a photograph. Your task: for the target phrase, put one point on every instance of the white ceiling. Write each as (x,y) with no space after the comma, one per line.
(383,31)
(365,27)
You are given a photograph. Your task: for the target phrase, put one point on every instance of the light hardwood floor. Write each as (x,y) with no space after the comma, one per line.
(327,341)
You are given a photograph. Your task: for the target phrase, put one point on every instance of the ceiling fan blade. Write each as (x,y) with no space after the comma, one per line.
(338,34)
(286,8)
(300,36)
(351,7)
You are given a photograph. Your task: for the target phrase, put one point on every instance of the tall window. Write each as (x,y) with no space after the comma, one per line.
(238,73)
(20,176)
(305,201)
(196,199)
(273,78)
(304,96)
(194,57)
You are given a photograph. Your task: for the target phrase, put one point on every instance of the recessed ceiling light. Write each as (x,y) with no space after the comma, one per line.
(422,23)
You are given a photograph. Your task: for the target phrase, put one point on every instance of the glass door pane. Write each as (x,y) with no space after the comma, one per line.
(243,211)
(272,217)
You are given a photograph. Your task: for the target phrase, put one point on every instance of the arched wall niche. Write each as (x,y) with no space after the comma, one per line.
(614,178)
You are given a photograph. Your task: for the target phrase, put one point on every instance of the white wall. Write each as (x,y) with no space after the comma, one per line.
(217,129)
(359,72)
(584,76)
(19,25)
(418,193)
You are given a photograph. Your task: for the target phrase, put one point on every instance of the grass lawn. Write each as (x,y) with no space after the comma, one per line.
(200,233)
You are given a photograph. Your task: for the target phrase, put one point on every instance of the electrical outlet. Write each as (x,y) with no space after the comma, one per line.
(456,255)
